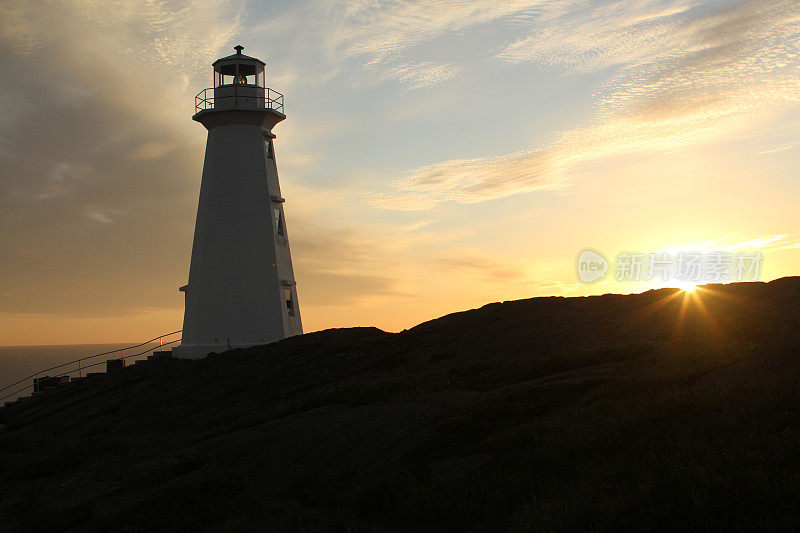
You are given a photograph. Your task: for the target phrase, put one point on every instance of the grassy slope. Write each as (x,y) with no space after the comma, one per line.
(639,411)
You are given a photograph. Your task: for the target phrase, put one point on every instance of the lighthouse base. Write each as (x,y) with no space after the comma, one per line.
(196,351)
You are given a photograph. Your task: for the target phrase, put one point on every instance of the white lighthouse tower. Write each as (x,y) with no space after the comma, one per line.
(241,289)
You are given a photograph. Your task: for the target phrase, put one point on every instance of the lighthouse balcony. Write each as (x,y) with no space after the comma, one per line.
(238,96)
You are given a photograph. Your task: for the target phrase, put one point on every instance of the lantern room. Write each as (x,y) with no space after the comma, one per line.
(238,84)
(238,69)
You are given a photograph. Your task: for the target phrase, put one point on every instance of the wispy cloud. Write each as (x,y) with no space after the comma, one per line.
(379,36)
(782,148)
(152,150)
(472,180)
(182,34)
(97,215)
(62,178)
(577,39)
(381,30)
(465,261)
(421,75)
(685,78)
(416,226)
(763,243)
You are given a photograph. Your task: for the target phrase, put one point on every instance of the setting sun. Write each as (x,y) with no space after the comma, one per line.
(687,287)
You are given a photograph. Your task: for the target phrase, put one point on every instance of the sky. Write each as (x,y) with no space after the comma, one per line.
(436,156)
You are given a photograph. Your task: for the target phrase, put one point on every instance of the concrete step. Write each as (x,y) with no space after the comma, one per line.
(48,382)
(161,354)
(113,365)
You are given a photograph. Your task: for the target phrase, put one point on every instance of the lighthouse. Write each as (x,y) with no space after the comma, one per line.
(241,290)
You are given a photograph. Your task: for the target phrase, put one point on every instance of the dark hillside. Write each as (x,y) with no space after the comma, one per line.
(657,410)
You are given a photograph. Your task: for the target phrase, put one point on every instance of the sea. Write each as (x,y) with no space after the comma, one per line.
(21,362)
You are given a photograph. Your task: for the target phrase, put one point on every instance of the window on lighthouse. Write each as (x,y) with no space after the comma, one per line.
(287,293)
(276,213)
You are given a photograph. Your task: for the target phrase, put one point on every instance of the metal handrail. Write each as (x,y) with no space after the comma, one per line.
(271,99)
(80,368)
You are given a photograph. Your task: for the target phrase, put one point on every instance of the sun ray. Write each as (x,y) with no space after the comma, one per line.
(692,302)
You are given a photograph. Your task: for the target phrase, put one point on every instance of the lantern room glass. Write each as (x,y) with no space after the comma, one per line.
(239,74)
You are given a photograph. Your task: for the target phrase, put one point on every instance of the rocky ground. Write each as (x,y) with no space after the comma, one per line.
(662,409)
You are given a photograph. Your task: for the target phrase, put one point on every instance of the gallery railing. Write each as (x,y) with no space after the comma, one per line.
(207,99)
